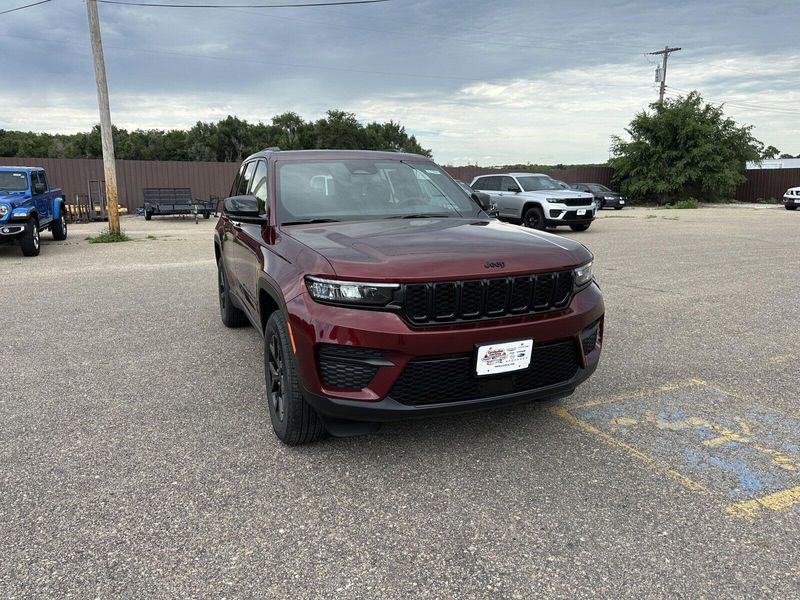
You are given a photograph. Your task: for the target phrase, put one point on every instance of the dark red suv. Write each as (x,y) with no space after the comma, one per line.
(384,292)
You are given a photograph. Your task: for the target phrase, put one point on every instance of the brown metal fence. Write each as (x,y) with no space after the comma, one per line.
(74,176)
(763,184)
(208,179)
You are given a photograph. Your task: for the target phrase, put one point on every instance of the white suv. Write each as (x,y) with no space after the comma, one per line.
(791,199)
(537,201)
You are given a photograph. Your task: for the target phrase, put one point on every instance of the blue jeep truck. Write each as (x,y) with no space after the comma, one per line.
(28,205)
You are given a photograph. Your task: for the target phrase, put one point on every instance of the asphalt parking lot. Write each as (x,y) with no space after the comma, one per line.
(138,458)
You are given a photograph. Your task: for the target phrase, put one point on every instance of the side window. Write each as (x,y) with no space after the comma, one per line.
(43,177)
(508,184)
(247,177)
(490,184)
(258,186)
(35,179)
(237,179)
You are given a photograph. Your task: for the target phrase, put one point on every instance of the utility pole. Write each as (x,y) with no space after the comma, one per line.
(106,134)
(666,52)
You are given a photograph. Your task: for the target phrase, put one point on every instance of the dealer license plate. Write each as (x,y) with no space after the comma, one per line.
(622,201)
(581,212)
(797,200)
(501,358)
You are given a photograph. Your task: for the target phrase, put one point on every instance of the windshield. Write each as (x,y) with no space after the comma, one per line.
(596,187)
(361,189)
(13,181)
(531,183)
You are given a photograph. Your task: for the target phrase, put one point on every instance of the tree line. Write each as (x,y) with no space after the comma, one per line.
(229,140)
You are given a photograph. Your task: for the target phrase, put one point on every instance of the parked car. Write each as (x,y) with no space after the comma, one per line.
(537,201)
(28,206)
(604,197)
(564,185)
(791,199)
(492,210)
(390,294)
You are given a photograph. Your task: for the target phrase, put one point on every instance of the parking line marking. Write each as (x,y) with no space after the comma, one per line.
(775,501)
(565,414)
(639,394)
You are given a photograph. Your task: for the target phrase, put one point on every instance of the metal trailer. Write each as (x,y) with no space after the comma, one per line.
(175,201)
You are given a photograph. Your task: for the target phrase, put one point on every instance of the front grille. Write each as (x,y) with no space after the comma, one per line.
(575,201)
(451,378)
(347,367)
(450,301)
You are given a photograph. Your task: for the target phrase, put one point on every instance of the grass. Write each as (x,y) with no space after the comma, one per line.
(106,237)
(151,237)
(685,203)
(651,217)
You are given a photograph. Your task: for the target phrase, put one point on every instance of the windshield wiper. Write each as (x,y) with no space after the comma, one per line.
(421,216)
(307,221)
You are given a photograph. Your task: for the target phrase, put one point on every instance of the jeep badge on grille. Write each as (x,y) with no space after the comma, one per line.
(493,264)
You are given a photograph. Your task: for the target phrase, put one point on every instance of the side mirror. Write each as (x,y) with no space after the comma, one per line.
(39,188)
(245,208)
(483,200)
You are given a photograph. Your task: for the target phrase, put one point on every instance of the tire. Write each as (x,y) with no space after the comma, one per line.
(534,218)
(618,207)
(59,228)
(30,241)
(206,215)
(231,316)
(148,215)
(295,422)
(581,227)
(791,207)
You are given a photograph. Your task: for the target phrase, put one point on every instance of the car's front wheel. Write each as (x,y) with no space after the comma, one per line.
(30,242)
(59,228)
(791,207)
(293,419)
(581,227)
(534,218)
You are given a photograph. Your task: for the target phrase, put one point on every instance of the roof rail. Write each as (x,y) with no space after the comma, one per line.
(272,149)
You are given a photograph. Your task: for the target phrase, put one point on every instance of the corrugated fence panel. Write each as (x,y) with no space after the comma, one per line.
(214,179)
(73,175)
(767,183)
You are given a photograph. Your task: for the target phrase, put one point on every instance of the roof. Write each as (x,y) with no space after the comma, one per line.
(336,154)
(20,168)
(511,174)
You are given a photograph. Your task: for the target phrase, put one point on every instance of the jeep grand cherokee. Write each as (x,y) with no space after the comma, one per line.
(384,292)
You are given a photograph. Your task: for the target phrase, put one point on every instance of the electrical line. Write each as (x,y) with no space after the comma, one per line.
(740,104)
(311,4)
(10,10)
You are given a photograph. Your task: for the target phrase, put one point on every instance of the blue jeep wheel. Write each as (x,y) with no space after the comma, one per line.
(29,241)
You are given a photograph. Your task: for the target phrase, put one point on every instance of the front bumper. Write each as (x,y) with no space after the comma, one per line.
(613,203)
(10,230)
(314,324)
(791,200)
(569,215)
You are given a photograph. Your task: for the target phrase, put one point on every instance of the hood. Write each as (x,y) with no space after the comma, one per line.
(431,249)
(12,198)
(558,194)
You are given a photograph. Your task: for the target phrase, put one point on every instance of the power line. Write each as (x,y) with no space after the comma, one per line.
(740,104)
(310,4)
(10,10)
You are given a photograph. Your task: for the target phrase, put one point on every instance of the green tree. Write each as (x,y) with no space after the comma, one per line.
(683,147)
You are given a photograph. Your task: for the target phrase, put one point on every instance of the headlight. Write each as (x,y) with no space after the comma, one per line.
(3,210)
(583,274)
(350,292)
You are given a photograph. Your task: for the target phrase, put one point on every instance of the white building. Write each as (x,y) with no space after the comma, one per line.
(777,163)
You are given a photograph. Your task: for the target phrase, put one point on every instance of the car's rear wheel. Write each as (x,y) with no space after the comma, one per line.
(293,419)
(30,242)
(580,227)
(534,218)
(148,215)
(59,228)
(230,315)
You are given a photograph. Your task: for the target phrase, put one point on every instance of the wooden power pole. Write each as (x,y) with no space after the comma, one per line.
(666,52)
(106,133)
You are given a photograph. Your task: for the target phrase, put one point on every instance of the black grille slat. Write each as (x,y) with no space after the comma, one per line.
(543,297)
(497,297)
(452,378)
(475,299)
(576,201)
(445,300)
(521,289)
(471,299)
(417,304)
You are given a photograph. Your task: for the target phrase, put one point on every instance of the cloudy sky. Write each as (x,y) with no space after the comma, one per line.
(478,81)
